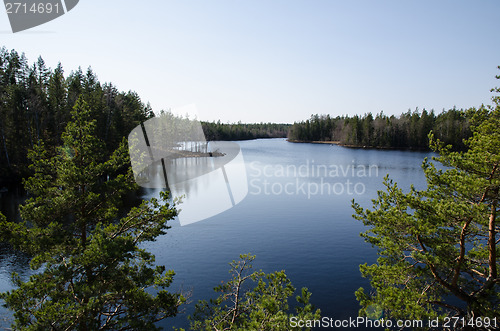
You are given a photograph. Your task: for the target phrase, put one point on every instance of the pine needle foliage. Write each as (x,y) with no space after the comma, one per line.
(439,248)
(93,273)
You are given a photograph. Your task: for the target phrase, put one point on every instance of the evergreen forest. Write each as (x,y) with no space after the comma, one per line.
(408,131)
(36,103)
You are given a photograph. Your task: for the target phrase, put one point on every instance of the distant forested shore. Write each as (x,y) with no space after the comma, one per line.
(36,103)
(239,131)
(408,131)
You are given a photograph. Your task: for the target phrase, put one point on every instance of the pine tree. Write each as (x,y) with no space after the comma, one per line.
(57,91)
(93,273)
(438,248)
(263,307)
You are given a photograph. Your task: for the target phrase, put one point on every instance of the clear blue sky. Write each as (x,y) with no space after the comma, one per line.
(279,60)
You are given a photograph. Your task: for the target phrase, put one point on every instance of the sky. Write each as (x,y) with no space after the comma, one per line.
(279,60)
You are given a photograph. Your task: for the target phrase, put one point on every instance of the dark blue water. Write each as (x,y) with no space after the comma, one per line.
(296,217)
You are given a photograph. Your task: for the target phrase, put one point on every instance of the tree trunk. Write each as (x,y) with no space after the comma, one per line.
(492,241)
(5,147)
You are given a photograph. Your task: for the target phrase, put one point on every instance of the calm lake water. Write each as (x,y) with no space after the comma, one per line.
(296,217)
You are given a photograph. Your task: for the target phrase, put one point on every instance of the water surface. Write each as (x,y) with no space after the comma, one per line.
(296,217)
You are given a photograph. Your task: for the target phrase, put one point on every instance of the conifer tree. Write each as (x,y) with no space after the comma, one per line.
(93,273)
(263,307)
(438,248)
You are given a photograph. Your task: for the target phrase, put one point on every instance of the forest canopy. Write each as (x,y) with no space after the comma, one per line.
(408,131)
(36,103)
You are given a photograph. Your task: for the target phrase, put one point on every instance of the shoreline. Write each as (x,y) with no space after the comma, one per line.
(314,142)
(338,143)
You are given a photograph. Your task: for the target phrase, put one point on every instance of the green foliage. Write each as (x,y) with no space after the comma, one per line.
(263,307)
(36,104)
(410,130)
(220,131)
(93,273)
(438,248)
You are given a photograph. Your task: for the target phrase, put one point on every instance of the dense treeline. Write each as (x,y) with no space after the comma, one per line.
(36,102)
(219,131)
(409,130)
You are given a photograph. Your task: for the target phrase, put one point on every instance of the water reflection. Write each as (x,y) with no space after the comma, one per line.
(11,261)
(10,199)
(208,185)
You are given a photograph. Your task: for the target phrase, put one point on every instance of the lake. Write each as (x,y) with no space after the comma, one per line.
(296,217)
